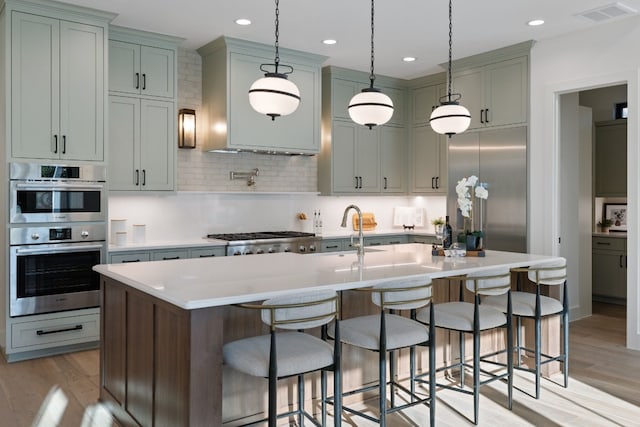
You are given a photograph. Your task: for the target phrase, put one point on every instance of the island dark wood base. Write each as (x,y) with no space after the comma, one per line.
(160,365)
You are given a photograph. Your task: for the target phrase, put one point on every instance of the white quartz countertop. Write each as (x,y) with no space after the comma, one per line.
(208,282)
(167,244)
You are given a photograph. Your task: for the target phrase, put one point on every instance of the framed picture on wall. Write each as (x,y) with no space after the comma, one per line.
(617,213)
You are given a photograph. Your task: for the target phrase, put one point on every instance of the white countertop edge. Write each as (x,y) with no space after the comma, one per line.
(433,268)
(612,234)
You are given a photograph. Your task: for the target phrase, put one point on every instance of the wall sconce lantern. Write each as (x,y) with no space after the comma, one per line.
(186,128)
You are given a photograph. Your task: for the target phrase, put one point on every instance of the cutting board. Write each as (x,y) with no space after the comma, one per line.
(368,222)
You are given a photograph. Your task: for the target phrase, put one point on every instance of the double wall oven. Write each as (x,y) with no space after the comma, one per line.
(57,233)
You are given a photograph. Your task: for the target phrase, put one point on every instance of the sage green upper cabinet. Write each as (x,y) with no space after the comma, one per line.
(393,159)
(611,158)
(424,100)
(142,149)
(229,68)
(142,110)
(342,90)
(355,159)
(57,86)
(356,167)
(138,69)
(494,86)
(429,161)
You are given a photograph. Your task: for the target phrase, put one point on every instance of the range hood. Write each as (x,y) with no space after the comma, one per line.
(229,68)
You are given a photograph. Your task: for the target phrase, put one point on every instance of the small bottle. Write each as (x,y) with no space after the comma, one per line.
(447,234)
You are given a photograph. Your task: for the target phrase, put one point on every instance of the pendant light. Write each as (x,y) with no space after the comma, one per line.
(371,107)
(450,117)
(274,95)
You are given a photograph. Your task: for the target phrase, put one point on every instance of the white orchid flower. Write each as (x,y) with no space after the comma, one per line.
(481,193)
(472,180)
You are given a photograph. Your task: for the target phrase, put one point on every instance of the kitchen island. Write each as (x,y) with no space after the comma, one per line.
(163,323)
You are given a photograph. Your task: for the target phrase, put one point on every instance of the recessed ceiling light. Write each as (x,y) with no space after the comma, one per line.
(409,59)
(329,41)
(243,21)
(535,22)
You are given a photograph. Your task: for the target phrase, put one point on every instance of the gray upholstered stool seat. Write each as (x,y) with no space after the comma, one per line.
(386,332)
(289,351)
(365,332)
(297,353)
(459,316)
(524,304)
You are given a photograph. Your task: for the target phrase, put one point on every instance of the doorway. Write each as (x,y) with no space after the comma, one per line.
(581,206)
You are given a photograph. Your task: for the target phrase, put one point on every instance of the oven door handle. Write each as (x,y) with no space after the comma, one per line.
(56,186)
(72,248)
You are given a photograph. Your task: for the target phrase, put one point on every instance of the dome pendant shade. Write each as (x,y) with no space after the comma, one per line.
(450,118)
(370,108)
(274,95)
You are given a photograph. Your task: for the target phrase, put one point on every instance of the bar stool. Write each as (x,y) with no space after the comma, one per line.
(386,332)
(474,318)
(537,307)
(281,354)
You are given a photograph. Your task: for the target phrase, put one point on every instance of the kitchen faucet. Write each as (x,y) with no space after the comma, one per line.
(360,244)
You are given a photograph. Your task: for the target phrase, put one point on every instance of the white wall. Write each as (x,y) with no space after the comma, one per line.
(602,56)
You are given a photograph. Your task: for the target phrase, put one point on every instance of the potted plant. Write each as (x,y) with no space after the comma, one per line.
(466,189)
(437,221)
(604,224)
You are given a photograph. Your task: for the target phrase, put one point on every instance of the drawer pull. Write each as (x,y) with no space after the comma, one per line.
(166,258)
(207,256)
(375,244)
(130,260)
(332,246)
(603,243)
(57,331)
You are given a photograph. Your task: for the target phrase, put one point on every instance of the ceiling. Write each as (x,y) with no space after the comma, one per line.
(416,28)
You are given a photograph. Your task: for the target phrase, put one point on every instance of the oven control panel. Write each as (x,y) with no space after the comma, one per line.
(43,235)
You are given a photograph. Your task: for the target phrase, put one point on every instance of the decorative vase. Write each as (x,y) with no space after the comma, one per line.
(472,242)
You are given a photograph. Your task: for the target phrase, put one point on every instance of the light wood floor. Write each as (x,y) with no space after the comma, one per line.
(604,386)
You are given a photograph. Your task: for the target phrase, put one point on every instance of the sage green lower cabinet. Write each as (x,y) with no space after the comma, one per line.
(333,245)
(170,254)
(609,269)
(123,257)
(166,254)
(207,252)
(425,240)
(386,240)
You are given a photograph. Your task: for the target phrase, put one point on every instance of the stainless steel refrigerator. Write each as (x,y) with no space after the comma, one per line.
(499,159)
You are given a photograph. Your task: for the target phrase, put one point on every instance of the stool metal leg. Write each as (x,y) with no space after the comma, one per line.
(462,357)
(392,377)
(565,333)
(323,397)
(301,400)
(273,378)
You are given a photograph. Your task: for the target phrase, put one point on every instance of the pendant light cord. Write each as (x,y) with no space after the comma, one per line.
(372,76)
(450,48)
(277,60)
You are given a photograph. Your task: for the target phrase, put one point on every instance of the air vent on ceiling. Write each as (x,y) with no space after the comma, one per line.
(610,11)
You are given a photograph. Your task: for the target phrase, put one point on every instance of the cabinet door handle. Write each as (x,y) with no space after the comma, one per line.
(356,187)
(433,180)
(603,243)
(621,265)
(385,182)
(144,177)
(137,177)
(331,247)
(207,256)
(130,260)
(486,115)
(481,119)
(360,182)
(64,144)
(57,331)
(144,81)
(375,244)
(137,80)
(55,144)
(166,258)
(437,182)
